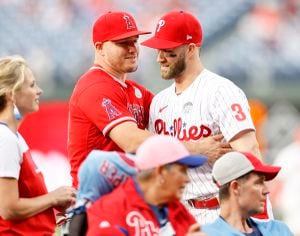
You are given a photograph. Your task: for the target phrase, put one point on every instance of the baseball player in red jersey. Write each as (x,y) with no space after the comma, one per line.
(198,105)
(108,111)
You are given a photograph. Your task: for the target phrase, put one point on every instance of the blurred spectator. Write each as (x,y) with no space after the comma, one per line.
(153,207)
(263,47)
(287,187)
(259,113)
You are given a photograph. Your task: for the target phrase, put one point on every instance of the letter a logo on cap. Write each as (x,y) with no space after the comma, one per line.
(189,37)
(128,21)
(160,24)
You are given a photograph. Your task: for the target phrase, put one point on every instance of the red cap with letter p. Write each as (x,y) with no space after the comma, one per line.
(174,29)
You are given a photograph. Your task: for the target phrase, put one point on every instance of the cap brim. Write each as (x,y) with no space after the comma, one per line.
(192,161)
(158,43)
(269,172)
(129,34)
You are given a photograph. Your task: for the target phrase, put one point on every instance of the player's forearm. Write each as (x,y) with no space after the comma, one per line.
(246,142)
(194,147)
(134,141)
(128,136)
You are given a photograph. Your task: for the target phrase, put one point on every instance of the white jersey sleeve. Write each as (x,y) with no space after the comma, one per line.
(230,109)
(12,147)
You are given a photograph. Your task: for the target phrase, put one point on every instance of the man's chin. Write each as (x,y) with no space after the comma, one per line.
(165,76)
(132,69)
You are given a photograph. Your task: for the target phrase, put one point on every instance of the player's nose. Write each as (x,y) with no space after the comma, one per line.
(160,56)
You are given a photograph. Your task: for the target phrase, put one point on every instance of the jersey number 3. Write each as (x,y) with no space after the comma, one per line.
(239,114)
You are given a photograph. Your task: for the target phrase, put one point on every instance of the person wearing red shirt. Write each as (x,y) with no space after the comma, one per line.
(154,206)
(107,111)
(26,206)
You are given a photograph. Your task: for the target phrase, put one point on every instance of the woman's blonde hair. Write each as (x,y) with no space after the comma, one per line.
(12,76)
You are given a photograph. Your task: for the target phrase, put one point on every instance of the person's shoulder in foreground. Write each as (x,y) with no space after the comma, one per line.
(149,202)
(266,227)
(241,178)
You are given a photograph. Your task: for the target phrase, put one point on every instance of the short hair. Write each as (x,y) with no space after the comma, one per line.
(224,189)
(12,76)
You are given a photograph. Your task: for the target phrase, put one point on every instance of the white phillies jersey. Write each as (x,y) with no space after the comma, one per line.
(210,105)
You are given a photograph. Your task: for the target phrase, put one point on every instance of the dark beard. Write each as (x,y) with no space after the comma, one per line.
(176,69)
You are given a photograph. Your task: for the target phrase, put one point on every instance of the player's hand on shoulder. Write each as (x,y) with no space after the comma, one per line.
(63,197)
(213,147)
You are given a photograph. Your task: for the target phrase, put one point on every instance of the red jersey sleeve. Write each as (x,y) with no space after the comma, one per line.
(110,103)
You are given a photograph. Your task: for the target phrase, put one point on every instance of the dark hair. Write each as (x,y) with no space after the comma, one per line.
(224,189)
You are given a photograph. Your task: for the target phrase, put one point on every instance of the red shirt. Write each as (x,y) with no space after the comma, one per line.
(31,184)
(99,103)
(133,214)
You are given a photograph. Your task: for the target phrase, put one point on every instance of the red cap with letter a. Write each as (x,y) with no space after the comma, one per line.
(114,26)
(174,29)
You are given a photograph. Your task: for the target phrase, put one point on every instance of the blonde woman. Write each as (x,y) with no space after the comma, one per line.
(26,206)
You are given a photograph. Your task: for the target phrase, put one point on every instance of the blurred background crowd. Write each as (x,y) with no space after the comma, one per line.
(253,43)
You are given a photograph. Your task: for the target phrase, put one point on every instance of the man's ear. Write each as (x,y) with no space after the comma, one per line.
(159,174)
(234,186)
(158,170)
(192,48)
(99,45)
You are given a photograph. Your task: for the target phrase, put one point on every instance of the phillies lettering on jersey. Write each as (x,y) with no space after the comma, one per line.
(142,226)
(179,130)
(210,105)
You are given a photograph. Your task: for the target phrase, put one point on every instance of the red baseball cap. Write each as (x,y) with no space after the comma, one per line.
(174,29)
(114,26)
(233,165)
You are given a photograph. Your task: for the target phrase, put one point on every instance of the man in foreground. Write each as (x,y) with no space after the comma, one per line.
(148,204)
(242,192)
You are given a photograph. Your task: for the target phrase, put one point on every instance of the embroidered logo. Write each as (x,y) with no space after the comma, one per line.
(137,92)
(160,24)
(111,111)
(129,23)
(187,108)
(188,37)
(142,226)
(138,113)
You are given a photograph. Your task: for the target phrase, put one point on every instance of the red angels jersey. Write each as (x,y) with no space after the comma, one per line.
(210,105)
(99,103)
(16,162)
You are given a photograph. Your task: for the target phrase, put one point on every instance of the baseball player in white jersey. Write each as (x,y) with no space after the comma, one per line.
(198,105)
